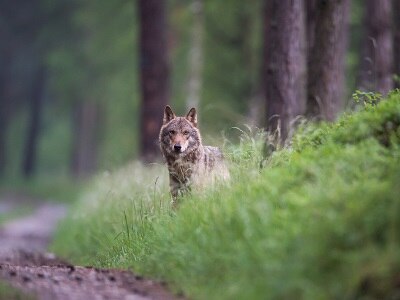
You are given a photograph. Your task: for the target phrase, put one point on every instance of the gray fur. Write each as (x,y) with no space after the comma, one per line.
(193,164)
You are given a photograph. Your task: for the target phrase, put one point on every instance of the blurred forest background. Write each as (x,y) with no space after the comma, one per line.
(83,84)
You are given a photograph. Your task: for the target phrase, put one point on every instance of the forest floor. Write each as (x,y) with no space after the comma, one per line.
(26,265)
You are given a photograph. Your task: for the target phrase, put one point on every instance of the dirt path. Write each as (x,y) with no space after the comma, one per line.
(25,264)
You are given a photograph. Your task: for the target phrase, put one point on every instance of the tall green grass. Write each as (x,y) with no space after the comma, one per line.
(316,220)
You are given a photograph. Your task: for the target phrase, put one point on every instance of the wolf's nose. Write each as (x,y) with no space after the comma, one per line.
(177,147)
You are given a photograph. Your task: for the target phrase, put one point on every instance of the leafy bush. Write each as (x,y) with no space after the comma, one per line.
(379,122)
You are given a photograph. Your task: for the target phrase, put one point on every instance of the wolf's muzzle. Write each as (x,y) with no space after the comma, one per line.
(177,148)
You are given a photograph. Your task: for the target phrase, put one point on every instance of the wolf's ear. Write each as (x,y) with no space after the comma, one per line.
(192,116)
(168,115)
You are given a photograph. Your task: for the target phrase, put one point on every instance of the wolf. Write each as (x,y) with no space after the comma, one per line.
(189,162)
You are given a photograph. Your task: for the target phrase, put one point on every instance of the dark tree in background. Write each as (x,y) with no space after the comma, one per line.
(396,41)
(285,63)
(195,76)
(311,17)
(326,59)
(86,133)
(10,17)
(22,74)
(34,123)
(154,74)
(376,66)
(35,44)
(5,101)
(254,23)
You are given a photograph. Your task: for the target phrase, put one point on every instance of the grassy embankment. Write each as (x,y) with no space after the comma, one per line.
(320,220)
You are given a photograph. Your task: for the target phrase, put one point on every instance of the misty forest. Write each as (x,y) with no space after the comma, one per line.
(83,81)
(301,96)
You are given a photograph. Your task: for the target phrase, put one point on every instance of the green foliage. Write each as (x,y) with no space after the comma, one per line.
(381,123)
(9,293)
(319,221)
(233,60)
(396,79)
(115,207)
(370,98)
(48,188)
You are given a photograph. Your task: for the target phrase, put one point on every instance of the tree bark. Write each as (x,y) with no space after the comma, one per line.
(311,18)
(327,60)
(86,131)
(32,138)
(285,72)
(154,74)
(3,134)
(5,105)
(254,63)
(396,41)
(196,56)
(7,49)
(376,67)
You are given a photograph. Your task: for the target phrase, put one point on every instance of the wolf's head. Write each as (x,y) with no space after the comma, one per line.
(179,136)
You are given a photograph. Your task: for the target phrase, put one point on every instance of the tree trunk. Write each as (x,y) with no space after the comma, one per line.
(154,74)
(196,56)
(376,67)
(32,138)
(285,64)
(327,60)
(3,133)
(254,64)
(5,106)
(396,41)
(311,18)
(86,131)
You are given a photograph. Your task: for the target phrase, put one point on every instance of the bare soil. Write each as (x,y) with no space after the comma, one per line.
(25,264)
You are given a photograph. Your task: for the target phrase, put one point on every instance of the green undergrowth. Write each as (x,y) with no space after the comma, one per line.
(44,187)
(319,220)
(9,293)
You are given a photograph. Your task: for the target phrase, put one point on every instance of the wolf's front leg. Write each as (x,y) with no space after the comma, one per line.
(177,189)
(174,186)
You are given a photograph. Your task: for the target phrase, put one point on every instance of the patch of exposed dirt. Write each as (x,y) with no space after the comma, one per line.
(25,264)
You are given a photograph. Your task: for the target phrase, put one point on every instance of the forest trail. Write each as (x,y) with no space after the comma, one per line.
(26,265)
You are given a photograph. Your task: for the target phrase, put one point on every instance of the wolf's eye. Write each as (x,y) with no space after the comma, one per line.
(172,132)
(186,132)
